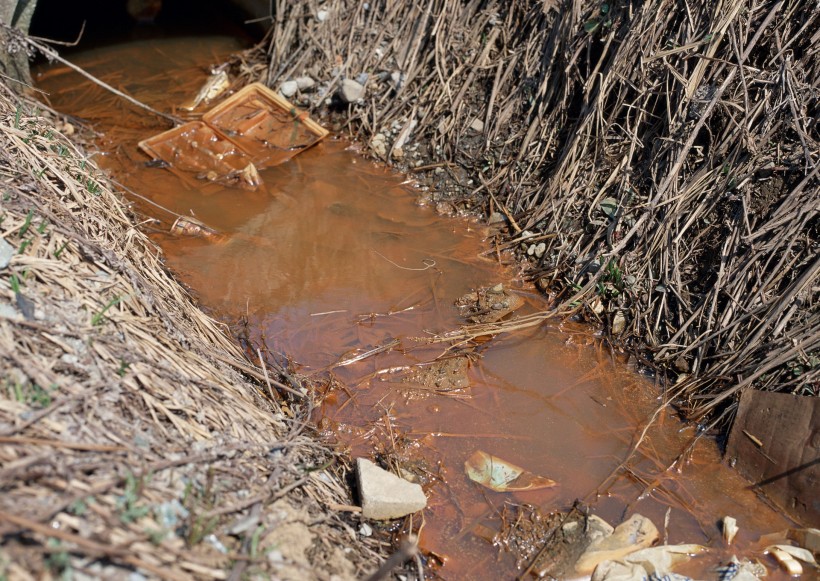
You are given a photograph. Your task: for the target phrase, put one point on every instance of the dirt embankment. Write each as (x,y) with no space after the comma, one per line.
(133,433)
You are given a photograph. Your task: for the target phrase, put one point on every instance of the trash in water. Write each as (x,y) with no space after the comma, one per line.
(265,125)
(729,529)
(191,227)
(195,148)
(788,555)
(252,130)
(216,84)
(502,476)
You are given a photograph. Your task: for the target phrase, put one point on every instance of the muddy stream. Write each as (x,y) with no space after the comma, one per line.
(335,256)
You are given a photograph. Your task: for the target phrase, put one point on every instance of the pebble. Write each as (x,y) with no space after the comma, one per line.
(305,83)
(351,91)
(396,77)
(288,88)
(379,144)
(477,125)
(6,253)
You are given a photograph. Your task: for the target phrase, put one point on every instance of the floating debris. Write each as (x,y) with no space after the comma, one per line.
(216,84)
(191,227)
(252,130)
(729,529)
(502,476)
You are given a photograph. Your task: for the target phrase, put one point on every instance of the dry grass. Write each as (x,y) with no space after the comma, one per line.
(665,153)
(128,439)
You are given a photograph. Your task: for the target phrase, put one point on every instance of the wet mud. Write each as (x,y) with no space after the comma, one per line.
(334,262)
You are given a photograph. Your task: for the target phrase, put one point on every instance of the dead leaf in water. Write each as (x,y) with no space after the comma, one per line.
(502,476)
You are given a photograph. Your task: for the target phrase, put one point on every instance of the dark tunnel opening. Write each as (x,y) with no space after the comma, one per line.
(100,22)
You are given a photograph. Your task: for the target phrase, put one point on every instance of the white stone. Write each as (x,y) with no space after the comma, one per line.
(351,91)
(477,125)
(379,145)
(288,89)
(305,83)
(384,495)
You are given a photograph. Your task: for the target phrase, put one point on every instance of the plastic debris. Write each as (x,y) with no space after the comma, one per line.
(252,130)
(789,564)
(191,227)
(729,529)
(502,476)
(216,84)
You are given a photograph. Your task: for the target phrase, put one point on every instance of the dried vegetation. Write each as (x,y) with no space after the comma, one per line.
(663,155)
(129,439)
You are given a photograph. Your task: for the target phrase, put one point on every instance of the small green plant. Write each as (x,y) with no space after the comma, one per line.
(257,535)
(59,251)
(79,507)
(99,317)
(130,508)
(611,283)
(58,560)
(26,223)
(124,365)
(38,396)
(602,20)
(29,393)
(14,281)
(93,187)
(200,527)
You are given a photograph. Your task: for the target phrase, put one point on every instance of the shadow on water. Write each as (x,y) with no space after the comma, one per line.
(334,257)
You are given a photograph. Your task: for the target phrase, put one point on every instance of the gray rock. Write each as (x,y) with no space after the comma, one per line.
(384,495)
(477,125)
(351,91)
(6,252)
(305,83)
(289,88)
(540,249)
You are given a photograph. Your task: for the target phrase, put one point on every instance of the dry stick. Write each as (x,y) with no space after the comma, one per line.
(52,54)
(406,551)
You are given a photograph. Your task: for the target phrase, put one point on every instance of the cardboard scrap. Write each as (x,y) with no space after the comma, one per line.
(776,442)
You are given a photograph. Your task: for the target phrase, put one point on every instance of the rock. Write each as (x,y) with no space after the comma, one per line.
(379,145)
(6,252)
(305,83)
(351,91)
(632,535)
(618,323)
(397,79)
(384,495)
(322,15)
(540,249)
(496,218)
(288,89)
(477,125)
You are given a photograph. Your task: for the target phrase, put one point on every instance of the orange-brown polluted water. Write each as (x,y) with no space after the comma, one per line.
(333,257)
